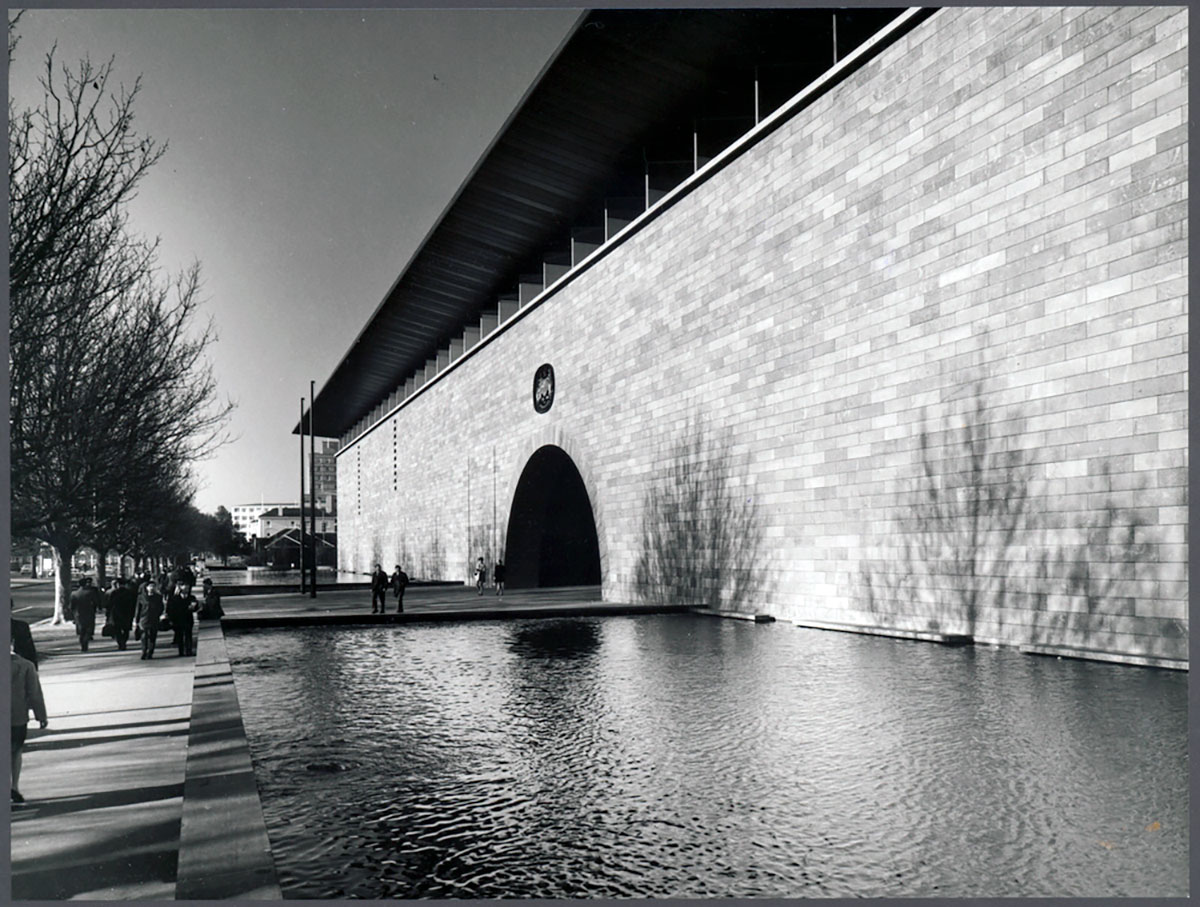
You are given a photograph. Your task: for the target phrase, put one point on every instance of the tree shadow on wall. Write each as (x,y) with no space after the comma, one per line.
(962,516)
(974,542)
(481,547)
(404,556)
(433,557)
(1097,580)
(702,529)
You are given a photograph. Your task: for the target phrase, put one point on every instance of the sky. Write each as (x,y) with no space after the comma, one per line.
(309,153)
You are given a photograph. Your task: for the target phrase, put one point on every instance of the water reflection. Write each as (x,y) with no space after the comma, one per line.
(262,576)
(677,756)
(554,638)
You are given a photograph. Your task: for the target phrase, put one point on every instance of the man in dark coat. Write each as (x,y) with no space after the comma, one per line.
(85,601)
(399,584)
(121,604)
(149,612)
(181,605)
(187,576)
(22,639)
(498,573)
(210,603)
(379,585)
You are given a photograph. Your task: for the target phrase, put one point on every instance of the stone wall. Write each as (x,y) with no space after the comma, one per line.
(935,323)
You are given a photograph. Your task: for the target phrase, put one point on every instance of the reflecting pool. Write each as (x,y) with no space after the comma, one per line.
(263,576)
(681,756)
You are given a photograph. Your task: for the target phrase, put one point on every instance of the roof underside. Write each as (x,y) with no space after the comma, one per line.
(628,87)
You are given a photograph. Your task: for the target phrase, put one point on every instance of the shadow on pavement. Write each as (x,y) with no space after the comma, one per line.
(46,743)
(126,856)
(55,806)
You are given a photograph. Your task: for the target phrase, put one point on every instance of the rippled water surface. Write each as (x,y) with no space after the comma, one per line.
(681,756)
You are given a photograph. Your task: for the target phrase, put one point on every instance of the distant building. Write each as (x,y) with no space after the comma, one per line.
(325,476)
(245,516)
(288,517)
(283,549)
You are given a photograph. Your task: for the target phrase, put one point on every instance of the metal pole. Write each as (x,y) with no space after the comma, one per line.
(470,558)
(495,548)
(835,38)
(303,587)
(756,117)
(312,481)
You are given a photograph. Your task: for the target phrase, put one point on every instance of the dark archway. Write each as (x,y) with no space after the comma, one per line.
(552,537)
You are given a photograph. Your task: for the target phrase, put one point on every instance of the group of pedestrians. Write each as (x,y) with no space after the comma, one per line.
(381,582)
(136,606)
(142,606)
(398,582)
(497,577)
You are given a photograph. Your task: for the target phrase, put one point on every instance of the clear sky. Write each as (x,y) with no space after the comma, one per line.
(310,151)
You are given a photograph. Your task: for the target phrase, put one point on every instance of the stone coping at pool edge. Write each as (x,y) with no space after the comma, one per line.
(499,612)
(955,639)
(224,851)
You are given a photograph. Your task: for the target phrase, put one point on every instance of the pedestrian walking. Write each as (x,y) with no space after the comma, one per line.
(399,584)
(122,603)
(480,575)
(22,638)
(182,575)
(85,601)
(210,602)
(379,585)
(498,578)
(180,608)
(149,613)
(26,697)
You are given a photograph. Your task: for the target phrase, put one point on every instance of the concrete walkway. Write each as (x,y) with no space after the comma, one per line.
(104,782)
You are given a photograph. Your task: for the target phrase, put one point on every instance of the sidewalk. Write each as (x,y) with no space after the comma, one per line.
(104,782)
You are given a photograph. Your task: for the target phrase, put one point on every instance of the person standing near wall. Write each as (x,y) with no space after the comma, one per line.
(480,575)
(498,578)
(399,584)
(26,695)
(379,585)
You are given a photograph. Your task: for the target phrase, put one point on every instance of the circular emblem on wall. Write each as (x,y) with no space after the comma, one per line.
(543,388)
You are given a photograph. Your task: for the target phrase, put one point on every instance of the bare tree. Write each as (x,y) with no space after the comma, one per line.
(111,397)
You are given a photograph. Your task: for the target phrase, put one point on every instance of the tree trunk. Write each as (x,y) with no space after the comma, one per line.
(62,581)
(101,566)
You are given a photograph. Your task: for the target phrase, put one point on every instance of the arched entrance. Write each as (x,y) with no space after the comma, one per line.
(551,537)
